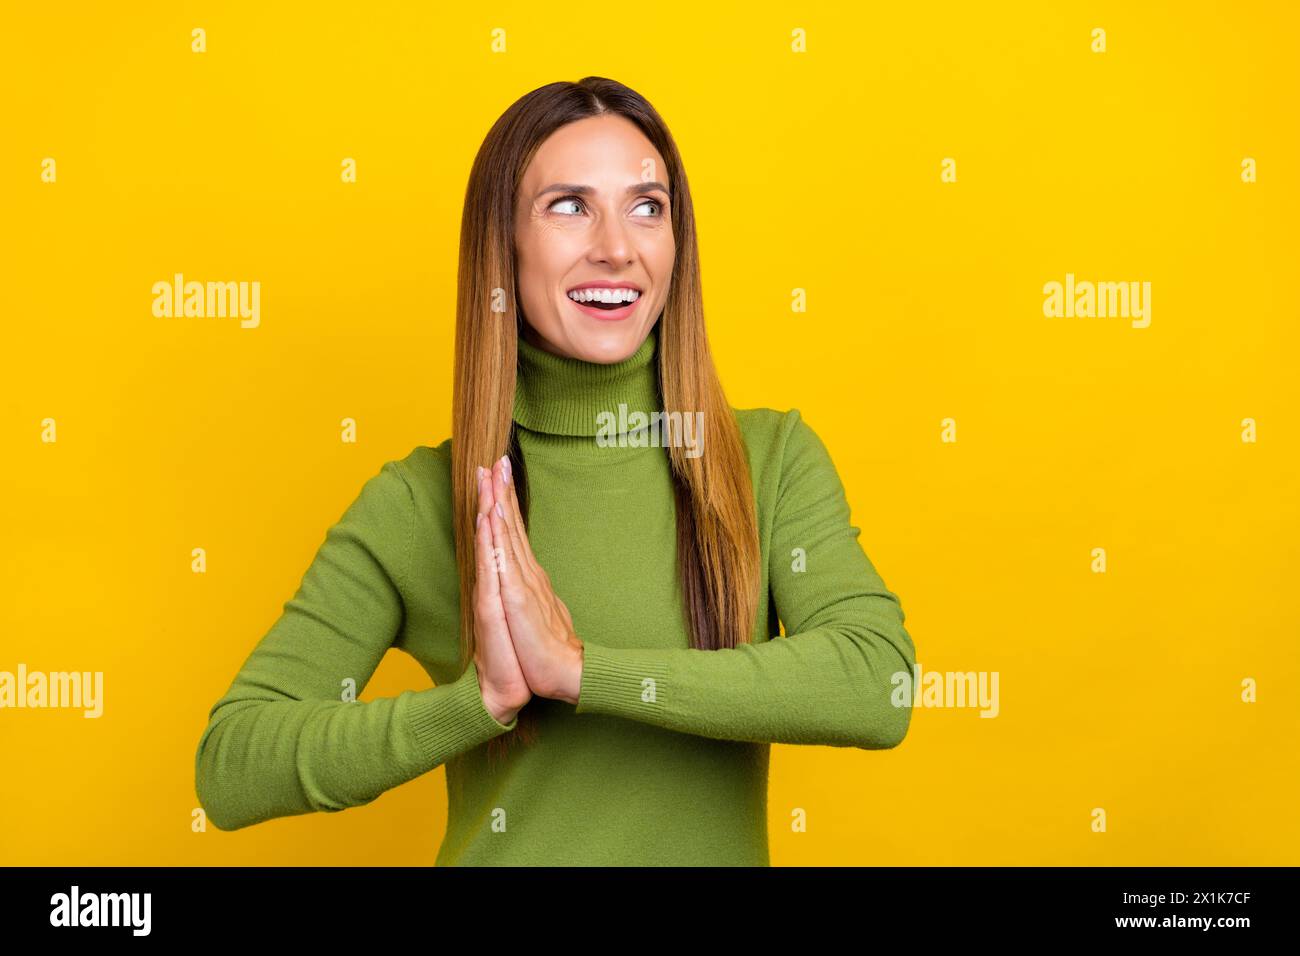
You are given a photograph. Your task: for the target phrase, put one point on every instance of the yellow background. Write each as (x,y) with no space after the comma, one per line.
(817,171)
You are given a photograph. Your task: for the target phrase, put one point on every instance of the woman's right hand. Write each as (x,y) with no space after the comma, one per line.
(500,678)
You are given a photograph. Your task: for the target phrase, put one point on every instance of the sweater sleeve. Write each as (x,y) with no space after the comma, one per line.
(829,682)
(285,739)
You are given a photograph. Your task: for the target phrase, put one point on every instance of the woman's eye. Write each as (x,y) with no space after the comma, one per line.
(576,202)
(573,200)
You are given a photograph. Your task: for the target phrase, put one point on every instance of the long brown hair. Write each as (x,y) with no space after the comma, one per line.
(718,552)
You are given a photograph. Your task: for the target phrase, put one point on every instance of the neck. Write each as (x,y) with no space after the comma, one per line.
(562,396)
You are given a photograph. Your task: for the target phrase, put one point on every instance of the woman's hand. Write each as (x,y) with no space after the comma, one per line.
(541,627)
(500,678)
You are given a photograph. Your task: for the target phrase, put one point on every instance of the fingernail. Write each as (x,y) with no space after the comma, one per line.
(478,520)
(479,474)
(500,511)
(505,467)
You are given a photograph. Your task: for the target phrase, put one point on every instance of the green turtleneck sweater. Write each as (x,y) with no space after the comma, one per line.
(624,777)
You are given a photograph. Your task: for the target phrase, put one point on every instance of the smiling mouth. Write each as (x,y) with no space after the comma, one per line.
(604,300)
(605,305)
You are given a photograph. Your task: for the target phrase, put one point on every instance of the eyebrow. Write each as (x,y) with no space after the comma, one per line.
(582,190)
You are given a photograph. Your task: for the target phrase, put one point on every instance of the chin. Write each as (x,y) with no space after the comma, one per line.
(605,344)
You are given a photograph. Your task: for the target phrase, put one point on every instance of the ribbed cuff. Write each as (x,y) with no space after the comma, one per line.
(621,681)
(451,718)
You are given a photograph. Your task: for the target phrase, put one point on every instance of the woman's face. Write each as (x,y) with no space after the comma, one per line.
(584,217)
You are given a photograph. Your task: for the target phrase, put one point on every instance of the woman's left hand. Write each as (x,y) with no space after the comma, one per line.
(541,628)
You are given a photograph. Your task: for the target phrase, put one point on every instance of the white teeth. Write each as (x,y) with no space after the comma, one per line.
(604,295)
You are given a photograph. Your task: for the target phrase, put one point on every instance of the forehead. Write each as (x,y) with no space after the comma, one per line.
(607,152)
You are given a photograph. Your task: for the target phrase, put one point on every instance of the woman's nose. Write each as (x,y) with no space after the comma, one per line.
(611,240)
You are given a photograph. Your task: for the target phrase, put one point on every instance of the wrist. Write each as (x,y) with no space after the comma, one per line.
(576,658)
(499,713)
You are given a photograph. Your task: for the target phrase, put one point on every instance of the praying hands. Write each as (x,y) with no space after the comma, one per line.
(525,641)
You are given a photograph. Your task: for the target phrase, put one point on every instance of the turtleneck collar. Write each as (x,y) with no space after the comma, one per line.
(558,395)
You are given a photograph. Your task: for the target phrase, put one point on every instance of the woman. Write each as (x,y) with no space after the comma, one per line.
(607,685)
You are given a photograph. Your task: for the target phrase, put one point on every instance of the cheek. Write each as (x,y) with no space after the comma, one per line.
(541,264)
(554,253)
(663,255)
